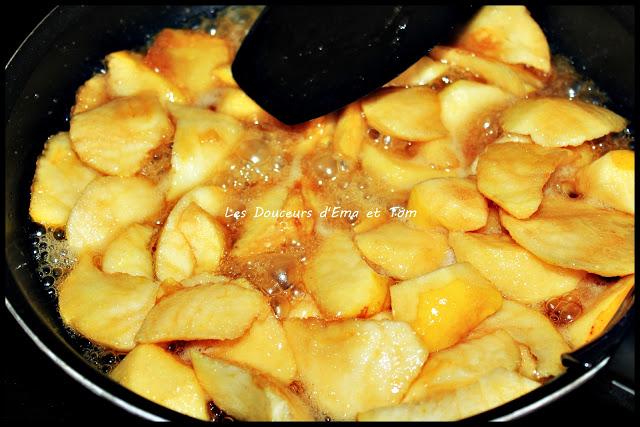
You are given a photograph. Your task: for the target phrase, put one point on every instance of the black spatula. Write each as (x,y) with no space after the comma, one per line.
(301,62)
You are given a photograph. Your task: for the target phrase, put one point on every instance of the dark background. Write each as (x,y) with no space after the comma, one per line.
(36,389)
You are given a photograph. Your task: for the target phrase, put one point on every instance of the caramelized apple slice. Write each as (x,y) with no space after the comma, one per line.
(354,365)
(411,114)
(490,391)
(106,308)
(106,207)
(422,73)
(610,179)
(202,142)
(214,311)
(247,395)
(508,34)
(59,181)
(93,93)
(350,131)
(158,376)
(402,252)
(130,253)
(235,103)
(513,175)
(440,153)
(517,273)
(341,282)
(128,75)
(534,330)
(453,203)
(444,305)
(572,233)
(304,308)
(206,237)
(463,363)
(559,122)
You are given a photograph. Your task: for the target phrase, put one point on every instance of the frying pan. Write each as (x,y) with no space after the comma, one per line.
(68,46)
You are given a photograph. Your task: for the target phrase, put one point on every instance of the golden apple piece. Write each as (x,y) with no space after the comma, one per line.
(464,363)
(490,391)
(533,329)
(58,183)
(130,252)
(508,34)
(202,142)
(206,237)
(513,175)
(207,278)
(559,122)
(117,137)
(398,173)
(411,114)
(106,207)
(223,76)
(247,395)
(351,366)
(440,153)
(424,72)
(403,252)
(93,93)
(158,376)
(341,282)
(453,203)
(350,131)
(174,258)
(516,272)
(596,317)
(610,179)
(235,103)
(572,233)
(509,78)
(128,75)
(444,305)
(304,308)
(105,308)
(264,348)
(213,311)
(188,58)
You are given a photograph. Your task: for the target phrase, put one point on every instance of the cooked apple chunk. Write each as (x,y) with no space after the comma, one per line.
(59,181)
(350,131)
(188,58)
(247,395)
(559,122)
(128,75)
(508,34)
(444,305)
(106,207)
(411,114)
(93,93)
(130,253)
(206,237)
(214,311)
(490,391)
(596,317)
(440,153)
(354,365)
(423,72)
(402,252)
(531,328)
(572,233)
(106,308)
(513,175)
(453,203)
(158,376)
(517,273)
(610,179)
(463,363)
(202,142)
(235,103)
(117,137)
(341,282)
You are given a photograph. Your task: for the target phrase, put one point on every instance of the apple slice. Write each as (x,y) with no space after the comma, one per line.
(106,308)
(517,273)
(354,365)
(440,153)
(610,179)
(158,376)
(350,131)
(213,311)
(206,237)
(93,93)
(235,103)
(444,305)
(248,395)
(424,72)
(130,252)
(58,183)
(559,122)
(341,282)
(106,207)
